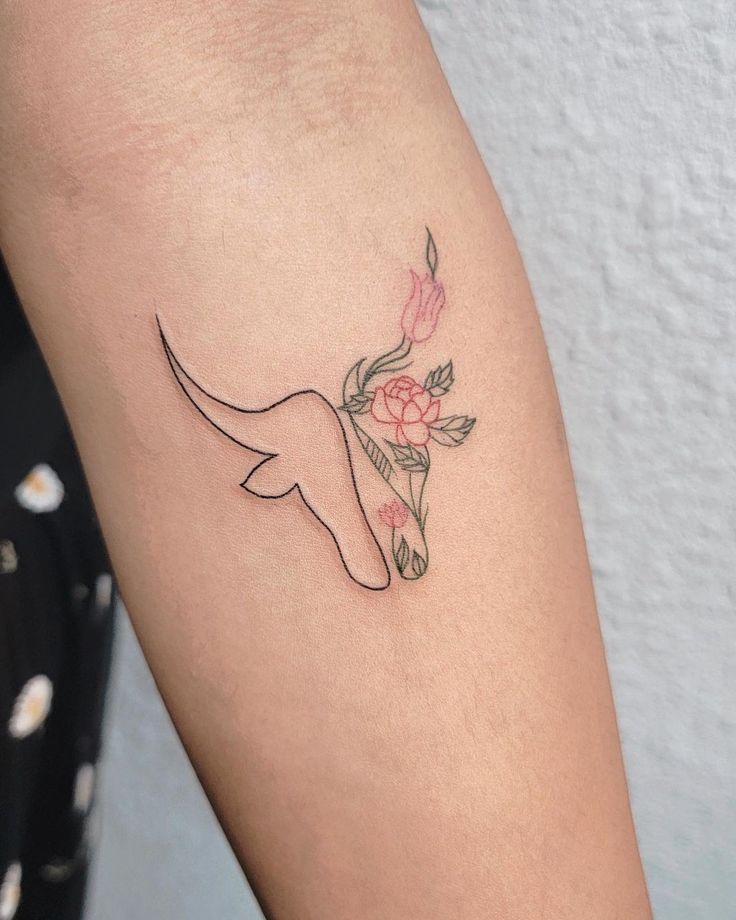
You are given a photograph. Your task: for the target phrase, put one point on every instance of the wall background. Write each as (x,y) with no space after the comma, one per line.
(610,128)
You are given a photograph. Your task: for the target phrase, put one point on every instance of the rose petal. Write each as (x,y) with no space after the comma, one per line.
(400,439)
(412,413)
(379,407)
(433,412)
(403,391)
(396,408)
(416,433)
(422,399)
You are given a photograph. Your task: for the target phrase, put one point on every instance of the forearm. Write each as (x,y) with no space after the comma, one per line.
(444,746)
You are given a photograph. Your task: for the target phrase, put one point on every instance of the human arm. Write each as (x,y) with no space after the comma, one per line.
(260,176)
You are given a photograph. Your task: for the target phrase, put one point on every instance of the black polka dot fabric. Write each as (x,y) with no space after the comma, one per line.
(57,601)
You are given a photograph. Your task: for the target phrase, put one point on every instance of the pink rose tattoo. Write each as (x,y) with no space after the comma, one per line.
(407,406)
(396,421)
(394,514)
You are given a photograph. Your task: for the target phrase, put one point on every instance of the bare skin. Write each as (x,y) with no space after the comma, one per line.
(261,175)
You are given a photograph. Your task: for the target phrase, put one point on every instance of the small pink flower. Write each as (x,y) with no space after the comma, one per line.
(394,513)
(407,406)
(422,309)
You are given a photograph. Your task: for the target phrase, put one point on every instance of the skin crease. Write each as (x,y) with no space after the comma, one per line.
(262,175)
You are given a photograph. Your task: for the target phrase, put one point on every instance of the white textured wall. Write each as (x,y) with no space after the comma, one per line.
(610,129)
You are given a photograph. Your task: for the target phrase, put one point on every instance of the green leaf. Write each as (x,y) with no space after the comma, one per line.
(374,453)
(358,404)
(352,380)
(439,381)
(452,431)
(402,555)
(432,257)
(418,564)
(408,458)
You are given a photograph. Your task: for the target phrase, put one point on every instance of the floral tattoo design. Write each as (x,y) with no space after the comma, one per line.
(305,448)
(406,416)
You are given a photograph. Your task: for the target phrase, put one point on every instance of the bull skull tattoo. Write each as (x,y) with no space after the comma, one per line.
(392,417)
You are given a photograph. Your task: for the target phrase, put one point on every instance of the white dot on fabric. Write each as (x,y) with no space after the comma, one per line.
(84,787)
(80,593)
(41,490)
(57,871)
(10,891)
(8,557)
(103,592)
(31,708)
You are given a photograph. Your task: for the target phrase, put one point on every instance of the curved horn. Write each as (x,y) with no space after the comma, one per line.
(306,449)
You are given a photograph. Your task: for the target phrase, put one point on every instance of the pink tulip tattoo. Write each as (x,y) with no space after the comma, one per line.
(422,309)
(408,407)
(410,411)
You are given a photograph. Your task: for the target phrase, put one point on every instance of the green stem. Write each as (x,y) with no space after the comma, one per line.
(421,491)
(357,428)
(411,576)
(379,366)
(414,510)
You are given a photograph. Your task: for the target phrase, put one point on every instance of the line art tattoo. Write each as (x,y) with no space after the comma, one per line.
(411,412)
(326,483)
(306,449)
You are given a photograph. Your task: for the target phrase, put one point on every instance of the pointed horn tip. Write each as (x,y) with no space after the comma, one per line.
(162,336)
(167,348)
(160,328)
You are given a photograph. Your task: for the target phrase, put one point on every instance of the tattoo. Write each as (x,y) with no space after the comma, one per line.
(410,411)
(306,449)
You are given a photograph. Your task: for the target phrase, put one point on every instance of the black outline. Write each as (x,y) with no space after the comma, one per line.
(174,363)
(431,246)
